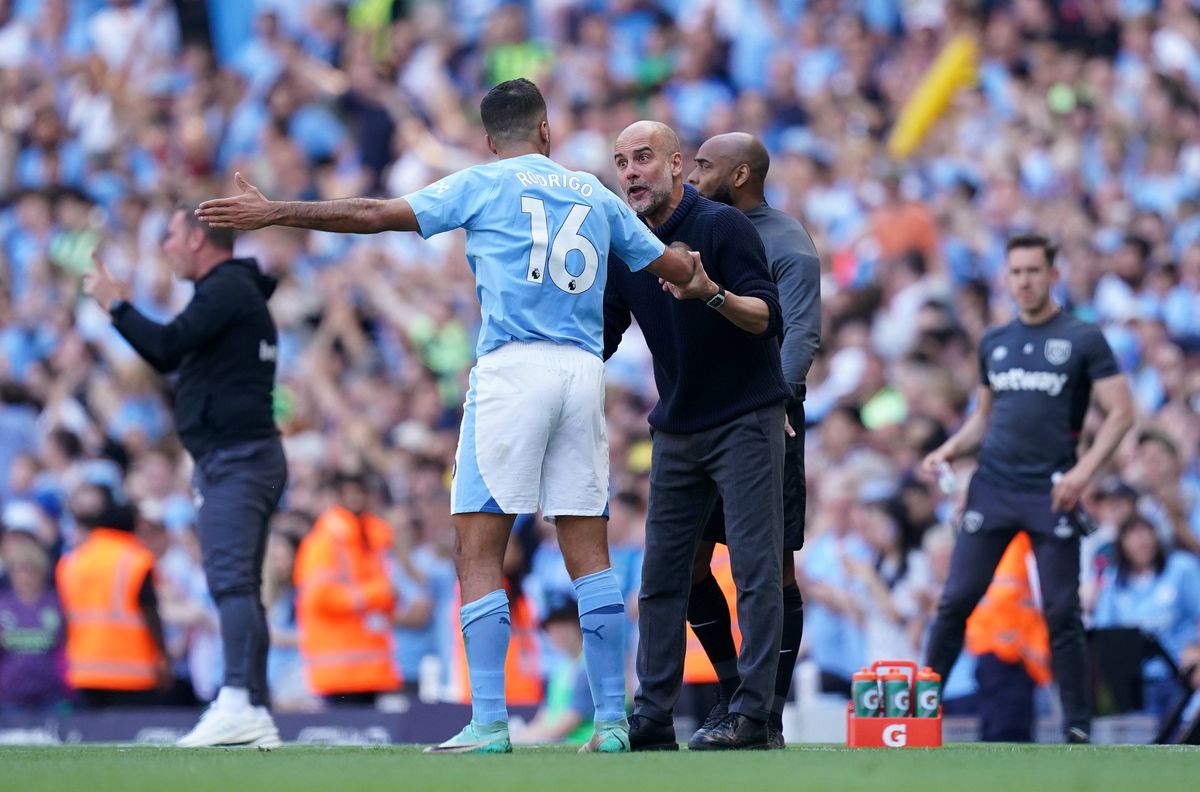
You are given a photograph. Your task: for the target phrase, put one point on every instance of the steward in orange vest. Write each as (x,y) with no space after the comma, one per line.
(345,601)
(115,650)
(1009,635)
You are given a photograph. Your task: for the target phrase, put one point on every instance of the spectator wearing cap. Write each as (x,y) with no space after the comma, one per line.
(345,601)
(115,650)
(32,635)
(27,520)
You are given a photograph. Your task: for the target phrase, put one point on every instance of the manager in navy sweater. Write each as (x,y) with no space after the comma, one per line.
(718,431)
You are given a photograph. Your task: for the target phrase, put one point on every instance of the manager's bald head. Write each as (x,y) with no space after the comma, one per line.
(650,169)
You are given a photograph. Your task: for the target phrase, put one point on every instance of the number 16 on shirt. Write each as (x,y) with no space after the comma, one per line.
(566,240)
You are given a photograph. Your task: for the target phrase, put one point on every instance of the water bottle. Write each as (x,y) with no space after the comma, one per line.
(864,689)
(895,694)
(947,481)
(928,693)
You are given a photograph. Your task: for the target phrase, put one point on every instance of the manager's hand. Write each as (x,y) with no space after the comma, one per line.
(700,287)
(100,285)
(245,212)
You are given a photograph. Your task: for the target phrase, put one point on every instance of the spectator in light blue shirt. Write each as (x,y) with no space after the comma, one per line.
(1157,593)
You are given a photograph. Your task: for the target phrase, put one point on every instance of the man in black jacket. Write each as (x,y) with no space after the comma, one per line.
(223,347)
(717,429)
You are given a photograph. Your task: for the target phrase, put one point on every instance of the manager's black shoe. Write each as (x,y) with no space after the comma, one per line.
(650,735)
(775,741)
(715,715)
(735,732)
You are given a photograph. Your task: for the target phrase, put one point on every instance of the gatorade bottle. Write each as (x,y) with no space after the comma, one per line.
(864,688)
(928,692)
(895,694)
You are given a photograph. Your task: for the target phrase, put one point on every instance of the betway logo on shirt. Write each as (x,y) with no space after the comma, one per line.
(1018,379)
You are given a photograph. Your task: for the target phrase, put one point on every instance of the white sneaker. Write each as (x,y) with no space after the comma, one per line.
(224,725)
(270,733)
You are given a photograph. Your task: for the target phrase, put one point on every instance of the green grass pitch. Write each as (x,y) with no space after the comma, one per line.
(960,768)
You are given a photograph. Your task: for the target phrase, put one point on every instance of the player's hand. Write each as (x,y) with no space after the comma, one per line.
(1066,492)
(932,461)
(100,285)
(787,426)
(699,287)
(245,212)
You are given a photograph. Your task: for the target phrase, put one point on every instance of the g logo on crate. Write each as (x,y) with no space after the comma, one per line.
(900,701)
(870,699)
(895,736)
(928,701)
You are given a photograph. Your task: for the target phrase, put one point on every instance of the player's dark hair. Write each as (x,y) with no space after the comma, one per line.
(512,111)
(217,237)
(1048,248)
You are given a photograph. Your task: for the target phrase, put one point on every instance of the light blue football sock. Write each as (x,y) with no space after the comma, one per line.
(486,627)
(602,619)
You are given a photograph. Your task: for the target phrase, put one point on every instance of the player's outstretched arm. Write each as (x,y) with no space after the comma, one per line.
(251,209)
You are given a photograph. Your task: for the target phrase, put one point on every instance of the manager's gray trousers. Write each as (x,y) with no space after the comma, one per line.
(742,462)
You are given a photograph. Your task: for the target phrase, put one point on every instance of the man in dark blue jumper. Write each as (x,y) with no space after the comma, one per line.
(732,169)
(717,430)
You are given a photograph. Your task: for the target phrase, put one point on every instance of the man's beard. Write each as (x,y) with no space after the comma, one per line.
(722,194)
(650,201)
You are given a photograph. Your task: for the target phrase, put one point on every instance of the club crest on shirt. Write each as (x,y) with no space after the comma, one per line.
(999,353)
(972,521)
(1058,350)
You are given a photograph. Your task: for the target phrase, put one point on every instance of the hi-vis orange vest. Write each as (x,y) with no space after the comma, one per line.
(1007,621)
(697,669)
(344,604)
(109,646)
(523,684)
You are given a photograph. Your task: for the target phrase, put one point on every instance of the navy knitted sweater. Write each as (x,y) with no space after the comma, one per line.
(707,369)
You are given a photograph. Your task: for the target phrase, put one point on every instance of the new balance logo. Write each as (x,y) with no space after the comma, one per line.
(595,632)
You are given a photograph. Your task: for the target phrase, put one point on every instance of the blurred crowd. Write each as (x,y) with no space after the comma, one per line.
(1084,124)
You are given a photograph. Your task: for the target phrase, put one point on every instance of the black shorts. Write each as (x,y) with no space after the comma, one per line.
(795,492)
(995,507)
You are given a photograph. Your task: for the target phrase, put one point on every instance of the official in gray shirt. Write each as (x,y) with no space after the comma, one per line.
(732,169)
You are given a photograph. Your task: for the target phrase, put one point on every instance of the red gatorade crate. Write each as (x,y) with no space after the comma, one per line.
(906,705)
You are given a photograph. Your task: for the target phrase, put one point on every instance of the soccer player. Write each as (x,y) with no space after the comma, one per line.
(732,169)
(533,432)
(1038,374)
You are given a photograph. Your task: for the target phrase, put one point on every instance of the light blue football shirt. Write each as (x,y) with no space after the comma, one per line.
(538,239)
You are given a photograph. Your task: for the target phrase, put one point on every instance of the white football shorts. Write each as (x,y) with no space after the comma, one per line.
(533,434)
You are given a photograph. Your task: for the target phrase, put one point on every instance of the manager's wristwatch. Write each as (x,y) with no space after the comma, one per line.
(718,299)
